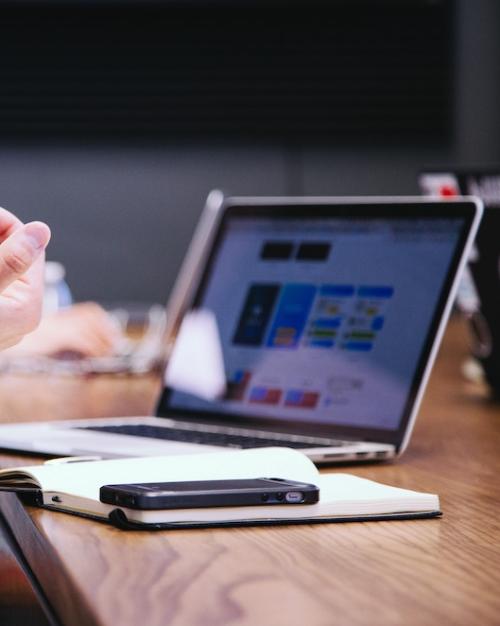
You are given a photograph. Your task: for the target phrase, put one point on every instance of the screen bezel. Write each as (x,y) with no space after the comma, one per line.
(307,209)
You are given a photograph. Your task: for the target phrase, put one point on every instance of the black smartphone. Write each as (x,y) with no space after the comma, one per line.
(209,493)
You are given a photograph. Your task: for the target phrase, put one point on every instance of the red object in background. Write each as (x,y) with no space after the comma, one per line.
(446,191)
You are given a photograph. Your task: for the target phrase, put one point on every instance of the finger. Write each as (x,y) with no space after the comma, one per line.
(105,327)
(20,251)
(8,224)
(86,345)
(9,341)
(100,345)
(97,321)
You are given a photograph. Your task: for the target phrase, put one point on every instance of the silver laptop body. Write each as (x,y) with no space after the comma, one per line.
(314,323)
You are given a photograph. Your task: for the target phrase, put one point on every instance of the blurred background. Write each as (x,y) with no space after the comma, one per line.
(118,117)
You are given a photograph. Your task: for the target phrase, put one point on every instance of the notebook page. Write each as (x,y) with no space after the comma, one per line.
(344,494)
(84,479)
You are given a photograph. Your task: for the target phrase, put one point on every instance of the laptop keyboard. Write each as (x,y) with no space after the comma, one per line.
(211,438)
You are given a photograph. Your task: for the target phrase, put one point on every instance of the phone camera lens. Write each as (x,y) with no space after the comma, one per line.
(264,497)
(280,496)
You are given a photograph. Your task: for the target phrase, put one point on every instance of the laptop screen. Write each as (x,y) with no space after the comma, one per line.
(325,320)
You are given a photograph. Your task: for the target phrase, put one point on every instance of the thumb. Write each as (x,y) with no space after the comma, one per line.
(20,250)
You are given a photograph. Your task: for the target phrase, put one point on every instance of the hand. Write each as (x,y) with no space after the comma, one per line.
(83,330)
(22,258)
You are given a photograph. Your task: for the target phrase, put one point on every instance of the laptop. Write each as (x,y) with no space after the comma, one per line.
(328,313)
(478,295)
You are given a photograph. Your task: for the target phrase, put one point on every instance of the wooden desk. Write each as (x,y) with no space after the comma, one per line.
(443,571)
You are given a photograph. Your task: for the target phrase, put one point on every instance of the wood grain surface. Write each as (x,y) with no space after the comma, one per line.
(441,571)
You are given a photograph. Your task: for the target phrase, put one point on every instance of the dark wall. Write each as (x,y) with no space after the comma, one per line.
(122,217)
(122,206)
(275,72)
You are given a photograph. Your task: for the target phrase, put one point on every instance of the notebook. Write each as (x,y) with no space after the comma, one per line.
(309,323)
(74,488)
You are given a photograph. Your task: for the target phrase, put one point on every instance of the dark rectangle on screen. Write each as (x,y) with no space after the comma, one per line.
(313,251)
(255,314)
(276,251)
